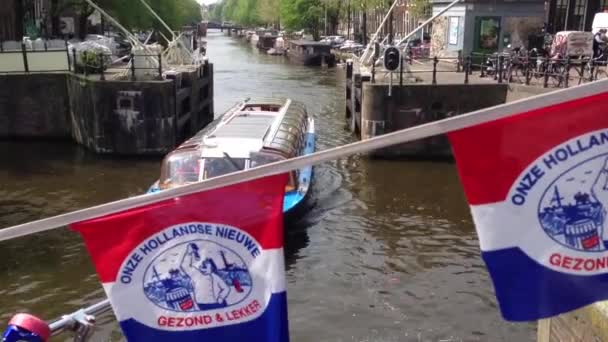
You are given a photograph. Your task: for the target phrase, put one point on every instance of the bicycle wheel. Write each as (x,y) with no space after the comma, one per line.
(557,74)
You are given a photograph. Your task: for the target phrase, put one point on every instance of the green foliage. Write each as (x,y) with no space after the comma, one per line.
(420,8)
(133,15)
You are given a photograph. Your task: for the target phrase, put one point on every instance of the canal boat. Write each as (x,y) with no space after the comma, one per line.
(311,53)
(252,133)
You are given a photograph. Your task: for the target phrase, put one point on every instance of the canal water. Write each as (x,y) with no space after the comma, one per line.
(387,251)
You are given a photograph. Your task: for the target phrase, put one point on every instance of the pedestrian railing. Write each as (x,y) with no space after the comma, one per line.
(17,57)
(530,69)
(520,68)
(97,63)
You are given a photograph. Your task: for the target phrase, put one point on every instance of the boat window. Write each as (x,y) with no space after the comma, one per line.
(179,168)
(292,184)
(262,108)
(215,167)
(259,159)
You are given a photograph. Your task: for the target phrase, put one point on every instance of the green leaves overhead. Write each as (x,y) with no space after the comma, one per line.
(293,15)
(133,15)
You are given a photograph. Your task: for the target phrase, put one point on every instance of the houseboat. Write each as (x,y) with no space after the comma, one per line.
(253,133)
(266,42)
(311,53)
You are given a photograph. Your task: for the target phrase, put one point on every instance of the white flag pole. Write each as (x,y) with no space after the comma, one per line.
(395,138)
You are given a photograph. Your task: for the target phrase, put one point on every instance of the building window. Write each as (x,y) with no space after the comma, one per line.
(453,28)
(578,15)
(561,12)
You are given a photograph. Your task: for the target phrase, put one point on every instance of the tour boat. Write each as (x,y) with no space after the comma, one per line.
(252,133)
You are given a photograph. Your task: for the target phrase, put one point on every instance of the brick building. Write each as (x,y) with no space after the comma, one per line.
(577,15)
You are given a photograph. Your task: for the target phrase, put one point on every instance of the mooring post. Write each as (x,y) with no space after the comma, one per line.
(566,72)
(160,66)
(459,61)
(501,59)
(435,61)
(411,56)
(132,67)
(24,52)
(101,66)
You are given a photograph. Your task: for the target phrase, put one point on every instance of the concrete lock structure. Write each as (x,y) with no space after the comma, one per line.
(127,117)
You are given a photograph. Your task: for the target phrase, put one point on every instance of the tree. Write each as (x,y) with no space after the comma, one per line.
(132,14)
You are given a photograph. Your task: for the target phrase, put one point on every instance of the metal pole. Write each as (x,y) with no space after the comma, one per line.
(527,69)
(483,60)
(501,59)
(390,28)
(24,53)
(102,66)
(74,60)
(132,67)
(546,69)
(160,66)
(349,20)
(567,72)
(428,21)
(364,57)
(401,72)
(435,61)
(67,52)
(467,69)
(325,5)
(67,320)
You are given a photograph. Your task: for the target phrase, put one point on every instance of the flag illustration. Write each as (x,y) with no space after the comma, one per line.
(537,185)
(202,267)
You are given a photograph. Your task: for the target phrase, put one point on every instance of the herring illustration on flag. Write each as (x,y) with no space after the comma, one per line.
(202,267)
(537,185)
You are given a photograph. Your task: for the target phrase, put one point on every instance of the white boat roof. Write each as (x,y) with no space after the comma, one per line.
(252,126)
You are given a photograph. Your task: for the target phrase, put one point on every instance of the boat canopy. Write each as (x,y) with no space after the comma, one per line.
(253,133)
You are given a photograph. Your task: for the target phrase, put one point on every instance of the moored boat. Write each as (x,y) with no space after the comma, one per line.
(251,134)
(311,53)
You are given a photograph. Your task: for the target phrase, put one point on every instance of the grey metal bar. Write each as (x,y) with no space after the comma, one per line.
(64,322)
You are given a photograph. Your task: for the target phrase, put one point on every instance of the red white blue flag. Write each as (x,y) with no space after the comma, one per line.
(537,185)
(203,267)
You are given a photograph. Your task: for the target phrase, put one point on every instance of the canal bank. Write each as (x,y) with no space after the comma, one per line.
(387,251)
